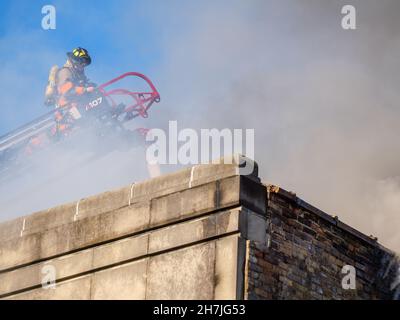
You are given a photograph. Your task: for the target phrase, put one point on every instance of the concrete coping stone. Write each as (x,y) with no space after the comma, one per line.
(136,192)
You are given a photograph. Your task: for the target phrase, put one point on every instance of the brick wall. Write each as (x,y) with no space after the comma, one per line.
(306,251)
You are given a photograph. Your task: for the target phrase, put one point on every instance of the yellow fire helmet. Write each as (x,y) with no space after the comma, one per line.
(79,56)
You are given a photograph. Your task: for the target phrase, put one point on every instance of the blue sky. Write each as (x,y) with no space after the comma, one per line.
(199,48)
(98,25)
(120,35)
(178,44)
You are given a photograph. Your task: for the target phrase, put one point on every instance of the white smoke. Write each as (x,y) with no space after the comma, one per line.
(323,101)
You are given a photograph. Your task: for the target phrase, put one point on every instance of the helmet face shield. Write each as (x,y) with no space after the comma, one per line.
(79,57)
(79,64)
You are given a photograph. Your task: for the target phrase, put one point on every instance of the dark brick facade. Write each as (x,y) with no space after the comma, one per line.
(306,251)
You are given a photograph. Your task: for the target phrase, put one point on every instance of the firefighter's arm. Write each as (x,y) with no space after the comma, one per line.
(67,89)
(77,89)
(82,90)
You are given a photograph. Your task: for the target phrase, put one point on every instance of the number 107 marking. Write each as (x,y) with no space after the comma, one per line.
(94,103)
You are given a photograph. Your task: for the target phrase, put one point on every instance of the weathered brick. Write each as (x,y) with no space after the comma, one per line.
(306,256)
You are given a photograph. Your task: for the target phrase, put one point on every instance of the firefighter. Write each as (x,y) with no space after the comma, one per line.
(67,84)
(71,79)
